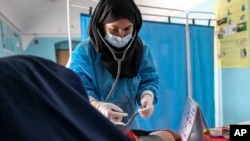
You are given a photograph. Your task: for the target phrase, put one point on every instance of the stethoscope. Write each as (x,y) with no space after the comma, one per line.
(117,60)
(120,125)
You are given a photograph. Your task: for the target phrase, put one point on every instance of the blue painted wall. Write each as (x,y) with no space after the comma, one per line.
(46,46)
(235,95)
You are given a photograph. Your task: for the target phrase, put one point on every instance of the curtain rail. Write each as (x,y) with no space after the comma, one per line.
(163,8)
(79,5)
(148,14)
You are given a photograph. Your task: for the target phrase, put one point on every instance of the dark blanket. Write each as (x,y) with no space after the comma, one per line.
(43,101)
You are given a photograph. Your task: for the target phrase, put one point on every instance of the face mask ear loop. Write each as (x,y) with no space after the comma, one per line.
(118,61)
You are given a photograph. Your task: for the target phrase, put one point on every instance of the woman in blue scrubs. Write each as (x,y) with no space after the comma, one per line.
(116,66)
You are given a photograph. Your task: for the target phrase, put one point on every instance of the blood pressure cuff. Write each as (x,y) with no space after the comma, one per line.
(43,101)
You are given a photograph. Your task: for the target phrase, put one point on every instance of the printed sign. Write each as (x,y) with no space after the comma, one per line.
(192,123)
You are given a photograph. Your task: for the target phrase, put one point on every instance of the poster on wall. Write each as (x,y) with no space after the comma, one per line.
(232,33)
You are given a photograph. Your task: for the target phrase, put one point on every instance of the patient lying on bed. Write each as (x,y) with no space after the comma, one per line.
(43,101)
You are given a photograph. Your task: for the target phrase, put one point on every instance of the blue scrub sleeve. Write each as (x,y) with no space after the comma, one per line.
(81,64)
(149,75)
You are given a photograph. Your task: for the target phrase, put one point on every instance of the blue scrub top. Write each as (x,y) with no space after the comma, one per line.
(98,81)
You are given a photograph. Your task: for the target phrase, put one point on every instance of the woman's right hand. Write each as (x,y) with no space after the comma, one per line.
(111,111)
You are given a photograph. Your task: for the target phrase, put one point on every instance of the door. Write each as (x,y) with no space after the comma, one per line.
(62,56)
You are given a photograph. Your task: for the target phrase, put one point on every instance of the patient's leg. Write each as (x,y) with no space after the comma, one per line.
(167,135)
(164,135)
(160,135)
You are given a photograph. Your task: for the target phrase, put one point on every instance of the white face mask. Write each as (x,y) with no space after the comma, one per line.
(118,41)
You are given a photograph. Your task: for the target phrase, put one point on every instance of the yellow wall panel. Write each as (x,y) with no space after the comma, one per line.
(233,33)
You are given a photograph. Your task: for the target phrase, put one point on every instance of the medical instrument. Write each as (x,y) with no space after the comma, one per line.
(123,126)
(118,61)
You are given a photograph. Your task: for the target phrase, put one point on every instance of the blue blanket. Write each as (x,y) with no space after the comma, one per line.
(43,101)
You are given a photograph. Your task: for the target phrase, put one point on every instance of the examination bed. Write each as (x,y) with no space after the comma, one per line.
(43,101)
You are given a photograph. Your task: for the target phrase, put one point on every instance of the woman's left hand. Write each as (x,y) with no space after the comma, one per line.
(147,106)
